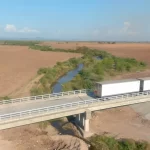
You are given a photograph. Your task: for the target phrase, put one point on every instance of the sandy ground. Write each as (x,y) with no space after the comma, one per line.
(6,145)
(121,122)
(18,65)
(31,137)
(140,51)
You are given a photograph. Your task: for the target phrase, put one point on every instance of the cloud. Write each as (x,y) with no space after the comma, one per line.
(28,30)
(12,28)
(128,29)
(96,32)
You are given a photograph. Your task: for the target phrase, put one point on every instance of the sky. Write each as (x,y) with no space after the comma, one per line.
(89,20)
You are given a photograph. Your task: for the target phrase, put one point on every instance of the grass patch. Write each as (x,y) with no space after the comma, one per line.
(43,125)
(5,98)
(110,143)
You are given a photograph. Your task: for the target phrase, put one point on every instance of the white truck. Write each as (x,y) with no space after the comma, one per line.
(145,84)
(109,88)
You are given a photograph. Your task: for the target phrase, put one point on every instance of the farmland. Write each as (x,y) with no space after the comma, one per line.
(19,65)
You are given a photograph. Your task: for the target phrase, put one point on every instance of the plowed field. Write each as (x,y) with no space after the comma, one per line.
(18,65)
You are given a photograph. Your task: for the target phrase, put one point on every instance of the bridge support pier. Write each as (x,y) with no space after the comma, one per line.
(83,121)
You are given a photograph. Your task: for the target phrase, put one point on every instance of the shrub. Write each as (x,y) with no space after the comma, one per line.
(109,143)
(5,98)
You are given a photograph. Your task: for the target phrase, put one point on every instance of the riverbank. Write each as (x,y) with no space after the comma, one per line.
(94,70)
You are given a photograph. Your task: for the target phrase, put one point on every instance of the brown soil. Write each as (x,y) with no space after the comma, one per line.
(18,65)
(140,51)
(31,137)
(121,122)
(141,74)
(25,89)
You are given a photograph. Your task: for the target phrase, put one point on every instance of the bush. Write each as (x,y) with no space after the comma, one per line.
(5,98)
(85,74)
(109,143)
(42,71)
(36,91)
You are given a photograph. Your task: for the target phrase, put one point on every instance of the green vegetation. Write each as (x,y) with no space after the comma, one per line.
(98,70)
(110,143)
(5,98)
(1,42)
(20,43)
(94,69)
(83,50)
(51,75)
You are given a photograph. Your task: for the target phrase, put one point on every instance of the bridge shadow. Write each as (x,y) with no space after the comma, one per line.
(64,127)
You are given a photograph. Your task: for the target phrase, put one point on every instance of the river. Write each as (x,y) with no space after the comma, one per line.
(69,76)
(66,78)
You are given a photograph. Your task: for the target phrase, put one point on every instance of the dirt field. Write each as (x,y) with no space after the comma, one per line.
(18,65)
(31,137)
(121,122)
(140,51)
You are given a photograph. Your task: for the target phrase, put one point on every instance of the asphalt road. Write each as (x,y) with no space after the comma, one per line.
(6,109)
(143,109)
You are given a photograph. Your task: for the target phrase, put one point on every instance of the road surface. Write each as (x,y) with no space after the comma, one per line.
(17,107)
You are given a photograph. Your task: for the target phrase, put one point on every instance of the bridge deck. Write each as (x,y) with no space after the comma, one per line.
(6,109)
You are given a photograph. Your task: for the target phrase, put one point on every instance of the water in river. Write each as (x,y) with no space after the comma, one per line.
(66,78)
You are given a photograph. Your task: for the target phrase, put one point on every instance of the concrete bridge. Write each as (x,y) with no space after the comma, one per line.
(28,110)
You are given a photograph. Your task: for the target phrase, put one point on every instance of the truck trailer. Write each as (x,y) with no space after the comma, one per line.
(145,84)
(110,88)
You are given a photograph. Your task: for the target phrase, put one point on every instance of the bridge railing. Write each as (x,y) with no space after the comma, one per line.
(68,106)
(44,97)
